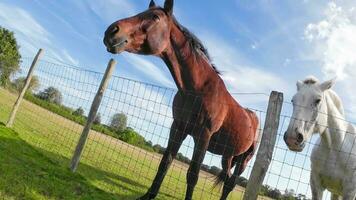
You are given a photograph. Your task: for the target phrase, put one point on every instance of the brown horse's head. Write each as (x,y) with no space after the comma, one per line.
(146,33)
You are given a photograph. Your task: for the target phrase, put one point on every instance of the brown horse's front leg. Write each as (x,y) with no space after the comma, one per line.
(176,139)
(200,148)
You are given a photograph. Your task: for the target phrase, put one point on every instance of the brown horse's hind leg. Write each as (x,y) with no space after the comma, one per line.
(241,162)
(200,148)
(176,139)
(224,175)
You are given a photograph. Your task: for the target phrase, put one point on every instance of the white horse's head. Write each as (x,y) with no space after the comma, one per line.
(308,104)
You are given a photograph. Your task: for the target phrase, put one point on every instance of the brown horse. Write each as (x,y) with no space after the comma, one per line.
(202,107)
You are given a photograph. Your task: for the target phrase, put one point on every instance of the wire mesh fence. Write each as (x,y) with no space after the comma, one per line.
(121,163)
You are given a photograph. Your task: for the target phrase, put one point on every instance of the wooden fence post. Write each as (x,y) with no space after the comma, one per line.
(92,114)
(17,104)
(265,152)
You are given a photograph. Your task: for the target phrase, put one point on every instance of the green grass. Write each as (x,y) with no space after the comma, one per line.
(34,162)
(25,173)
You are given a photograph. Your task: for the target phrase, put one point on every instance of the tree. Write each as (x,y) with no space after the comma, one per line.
(275,194)
(19,83)
(159,149)
(79,112)
(264,190)
(242,181)
(51,95)
(215,170)
(9,56)
(301,197)
(97,119)
(289,195)
(119,122)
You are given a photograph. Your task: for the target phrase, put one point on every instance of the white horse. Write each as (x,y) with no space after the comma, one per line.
(317,109)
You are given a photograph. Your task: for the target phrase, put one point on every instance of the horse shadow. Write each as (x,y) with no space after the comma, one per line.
(27,171)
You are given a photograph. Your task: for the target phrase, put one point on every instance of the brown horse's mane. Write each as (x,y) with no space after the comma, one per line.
(196,43)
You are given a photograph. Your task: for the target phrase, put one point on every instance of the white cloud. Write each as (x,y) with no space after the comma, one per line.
(336,35)
(334,42)
(238,73)
(68,57)
(68,26)
(111,10)
(23,24)
(149,69)
(31,35)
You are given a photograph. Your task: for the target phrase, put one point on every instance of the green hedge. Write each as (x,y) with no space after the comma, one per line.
(128,135)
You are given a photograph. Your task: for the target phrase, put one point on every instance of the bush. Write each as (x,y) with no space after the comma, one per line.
(131,137)
(79,112)
(97,119)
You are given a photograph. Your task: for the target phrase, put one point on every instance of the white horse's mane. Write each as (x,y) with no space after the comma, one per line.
(311,80)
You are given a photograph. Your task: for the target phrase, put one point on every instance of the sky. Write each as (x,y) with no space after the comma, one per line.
(259,46)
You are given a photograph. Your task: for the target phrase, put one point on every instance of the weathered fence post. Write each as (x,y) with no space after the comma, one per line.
(17,104)
(92,114)
(265,152)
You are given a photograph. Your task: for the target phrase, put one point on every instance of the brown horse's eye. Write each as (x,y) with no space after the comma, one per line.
(155,18)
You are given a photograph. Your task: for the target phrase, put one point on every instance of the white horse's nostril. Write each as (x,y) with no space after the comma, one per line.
(285,137)
(300,138)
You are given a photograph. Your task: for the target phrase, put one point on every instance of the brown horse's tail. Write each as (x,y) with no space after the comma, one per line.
(240,162)
(220,178)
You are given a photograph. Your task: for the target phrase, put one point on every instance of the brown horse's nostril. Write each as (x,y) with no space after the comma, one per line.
(115,30)
(300,138)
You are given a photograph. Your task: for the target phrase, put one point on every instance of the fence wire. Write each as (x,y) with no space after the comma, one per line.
(123,164)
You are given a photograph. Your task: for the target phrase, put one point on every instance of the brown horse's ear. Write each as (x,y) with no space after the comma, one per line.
(168,6)
(152,4)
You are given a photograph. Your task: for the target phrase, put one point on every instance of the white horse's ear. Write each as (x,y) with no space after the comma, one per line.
(299,85)
(327,84)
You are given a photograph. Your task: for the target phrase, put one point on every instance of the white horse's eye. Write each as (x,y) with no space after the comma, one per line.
(317,102)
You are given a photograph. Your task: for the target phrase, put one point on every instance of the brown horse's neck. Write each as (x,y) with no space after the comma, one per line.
(190,69)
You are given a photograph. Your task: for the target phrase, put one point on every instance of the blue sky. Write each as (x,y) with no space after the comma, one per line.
(259,45)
